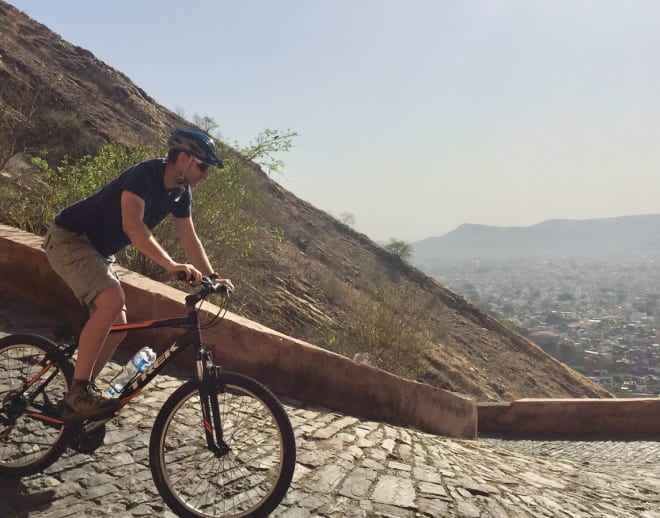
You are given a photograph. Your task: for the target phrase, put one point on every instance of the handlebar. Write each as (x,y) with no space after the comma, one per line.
(207,287)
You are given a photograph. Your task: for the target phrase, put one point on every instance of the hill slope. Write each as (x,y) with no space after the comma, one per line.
(321,272)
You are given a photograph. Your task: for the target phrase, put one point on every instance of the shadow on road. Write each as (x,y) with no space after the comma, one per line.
(21,501)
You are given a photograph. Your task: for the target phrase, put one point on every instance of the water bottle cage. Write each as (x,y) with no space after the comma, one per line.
(131,380)
(139,364)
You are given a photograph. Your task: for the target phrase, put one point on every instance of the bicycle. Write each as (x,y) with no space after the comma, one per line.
(239,464)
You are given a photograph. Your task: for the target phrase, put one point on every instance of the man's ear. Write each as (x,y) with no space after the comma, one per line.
(181,159)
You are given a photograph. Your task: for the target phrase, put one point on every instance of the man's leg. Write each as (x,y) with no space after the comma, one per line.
(108,306)
(93,281)
(110,345)
(80,402)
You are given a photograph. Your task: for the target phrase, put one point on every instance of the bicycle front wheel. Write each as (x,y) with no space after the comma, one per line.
(251,479)
(32,381)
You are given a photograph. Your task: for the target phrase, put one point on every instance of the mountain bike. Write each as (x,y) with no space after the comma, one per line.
(221,445)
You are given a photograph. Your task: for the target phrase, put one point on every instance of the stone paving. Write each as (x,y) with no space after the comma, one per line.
(351,468)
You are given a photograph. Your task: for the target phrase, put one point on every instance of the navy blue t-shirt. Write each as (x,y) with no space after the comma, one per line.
(99,215)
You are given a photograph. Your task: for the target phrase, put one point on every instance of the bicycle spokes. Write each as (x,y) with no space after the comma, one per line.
(243,463)
(33,377)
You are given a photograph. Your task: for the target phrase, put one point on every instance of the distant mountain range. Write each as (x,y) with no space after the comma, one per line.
(558,237)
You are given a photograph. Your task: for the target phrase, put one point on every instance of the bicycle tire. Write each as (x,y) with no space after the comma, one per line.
(29,445)
(259,466)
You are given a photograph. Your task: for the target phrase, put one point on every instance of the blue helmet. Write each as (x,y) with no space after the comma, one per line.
(194,143)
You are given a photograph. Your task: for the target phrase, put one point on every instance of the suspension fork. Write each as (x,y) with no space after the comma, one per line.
(209,390)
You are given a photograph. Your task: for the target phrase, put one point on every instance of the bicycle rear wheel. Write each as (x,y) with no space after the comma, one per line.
(32,380)
(251,479)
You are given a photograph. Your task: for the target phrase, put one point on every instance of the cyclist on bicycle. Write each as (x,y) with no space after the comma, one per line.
(81,243)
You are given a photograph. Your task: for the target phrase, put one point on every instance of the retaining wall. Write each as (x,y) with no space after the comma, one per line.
(290,367)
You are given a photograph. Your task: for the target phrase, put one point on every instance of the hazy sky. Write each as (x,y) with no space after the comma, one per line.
(414,116)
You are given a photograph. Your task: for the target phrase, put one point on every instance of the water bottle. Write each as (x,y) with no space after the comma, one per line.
(139,363)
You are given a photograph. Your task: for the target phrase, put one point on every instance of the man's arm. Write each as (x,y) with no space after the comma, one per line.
(194,249)
(132,215)
(192,246)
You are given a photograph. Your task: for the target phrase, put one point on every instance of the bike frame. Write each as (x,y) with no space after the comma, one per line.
(206,374)
(191,337)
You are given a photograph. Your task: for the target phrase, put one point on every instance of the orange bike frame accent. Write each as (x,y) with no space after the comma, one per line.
(38,375)
(138,325)
(43,417)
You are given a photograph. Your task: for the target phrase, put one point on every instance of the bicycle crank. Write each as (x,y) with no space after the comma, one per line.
(86,441)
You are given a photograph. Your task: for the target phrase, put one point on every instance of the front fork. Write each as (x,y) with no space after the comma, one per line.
(209,388)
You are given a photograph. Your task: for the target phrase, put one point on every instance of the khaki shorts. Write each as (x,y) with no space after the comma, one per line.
(83,268)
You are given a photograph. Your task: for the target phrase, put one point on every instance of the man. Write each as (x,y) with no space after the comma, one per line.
(81,243)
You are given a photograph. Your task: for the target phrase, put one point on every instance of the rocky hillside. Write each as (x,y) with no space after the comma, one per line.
(321,272)
(59,74)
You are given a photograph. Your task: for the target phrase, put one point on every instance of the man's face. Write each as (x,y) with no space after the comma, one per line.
(197,172)
(194,170)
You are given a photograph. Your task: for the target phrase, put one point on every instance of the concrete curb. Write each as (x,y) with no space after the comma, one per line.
(622,419)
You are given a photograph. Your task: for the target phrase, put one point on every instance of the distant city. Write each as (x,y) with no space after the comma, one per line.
(600,316)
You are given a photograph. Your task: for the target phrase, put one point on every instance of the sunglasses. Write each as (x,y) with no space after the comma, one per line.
(203,166)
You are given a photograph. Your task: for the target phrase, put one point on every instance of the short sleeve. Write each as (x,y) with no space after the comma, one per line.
(138,181)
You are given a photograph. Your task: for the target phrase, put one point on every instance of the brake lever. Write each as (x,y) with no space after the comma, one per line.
(225,289)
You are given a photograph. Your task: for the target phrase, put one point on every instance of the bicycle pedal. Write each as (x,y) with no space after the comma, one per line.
(87,441)
(90,426)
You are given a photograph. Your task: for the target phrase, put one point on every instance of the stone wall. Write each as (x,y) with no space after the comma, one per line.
(290,367)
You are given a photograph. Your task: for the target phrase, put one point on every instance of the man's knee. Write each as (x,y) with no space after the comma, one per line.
(112,300)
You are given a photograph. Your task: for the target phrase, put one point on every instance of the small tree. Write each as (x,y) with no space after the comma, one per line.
(208,124)
(347,218)
(267,144)
(399,248)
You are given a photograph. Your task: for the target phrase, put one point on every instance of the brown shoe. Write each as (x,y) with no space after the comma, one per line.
(81,403)
(94,389)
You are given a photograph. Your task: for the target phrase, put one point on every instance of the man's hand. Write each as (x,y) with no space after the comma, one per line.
(193,275)
(226,282)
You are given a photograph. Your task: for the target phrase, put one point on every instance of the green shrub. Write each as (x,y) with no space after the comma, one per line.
(224,207)
(400,249)
(32,205)
(391,324)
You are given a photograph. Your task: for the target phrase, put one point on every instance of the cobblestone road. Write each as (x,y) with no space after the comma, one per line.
(350,468)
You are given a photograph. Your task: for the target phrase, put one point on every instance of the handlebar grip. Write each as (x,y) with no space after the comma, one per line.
(183,277)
